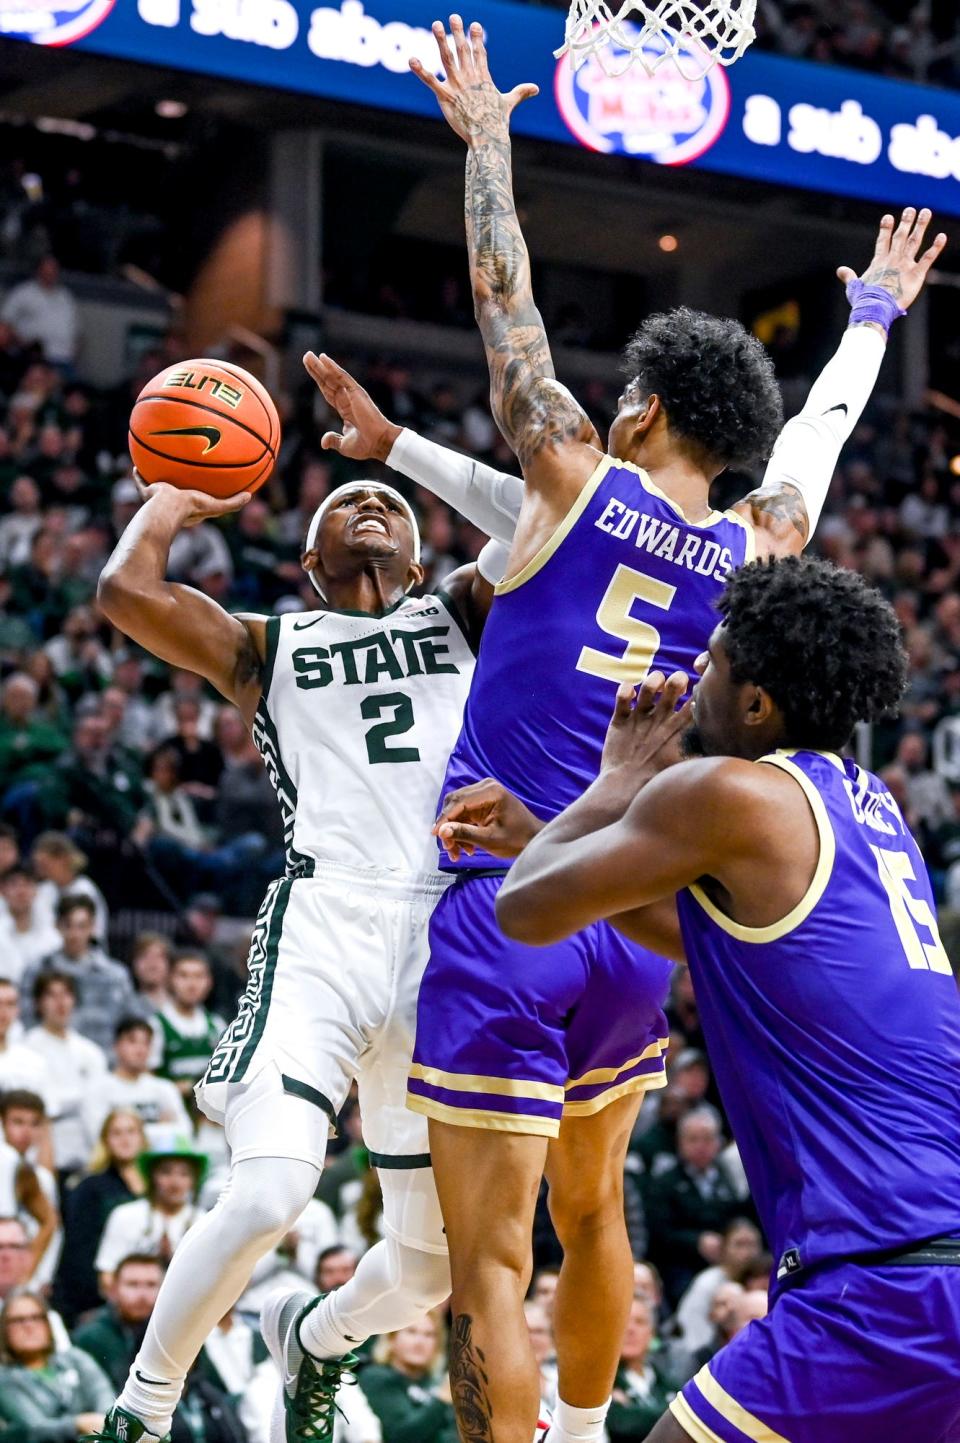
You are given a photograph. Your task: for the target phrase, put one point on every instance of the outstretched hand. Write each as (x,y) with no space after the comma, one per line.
(643,737)
(367,435)
(471,103)
(897,265)
(196,506)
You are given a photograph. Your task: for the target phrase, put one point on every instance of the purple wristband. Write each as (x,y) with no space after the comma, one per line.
(872,303)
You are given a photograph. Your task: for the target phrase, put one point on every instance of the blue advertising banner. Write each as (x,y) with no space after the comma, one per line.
(767,118)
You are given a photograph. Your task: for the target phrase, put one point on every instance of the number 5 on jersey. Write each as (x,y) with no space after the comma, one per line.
(615,617)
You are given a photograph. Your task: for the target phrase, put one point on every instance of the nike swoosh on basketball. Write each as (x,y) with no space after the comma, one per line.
(210,434)
(841,407)
(302,625)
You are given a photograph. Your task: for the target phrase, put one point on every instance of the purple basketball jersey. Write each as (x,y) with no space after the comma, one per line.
(626,584)
(835,1038)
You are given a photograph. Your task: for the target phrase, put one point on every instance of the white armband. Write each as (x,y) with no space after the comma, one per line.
(808,448)
(490,499)
(492,562)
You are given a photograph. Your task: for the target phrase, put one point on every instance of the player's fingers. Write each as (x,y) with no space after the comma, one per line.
(845,274)
(334,374)
(899,238)
(883,237)
(519,93)
(231,503)
(462,45)
(465,835)
(140,484)
(447,58)
(468,798)
(673,689)
(331,441)
(915,238)
(932,252)
(479,50)
(623,704)
(650,688)
(428,77)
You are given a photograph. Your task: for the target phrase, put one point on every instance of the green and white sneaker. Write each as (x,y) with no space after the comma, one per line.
(306,1402)
(119,1426)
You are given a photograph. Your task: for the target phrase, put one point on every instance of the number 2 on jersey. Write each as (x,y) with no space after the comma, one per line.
(910,912)
(376,738)
(614,616)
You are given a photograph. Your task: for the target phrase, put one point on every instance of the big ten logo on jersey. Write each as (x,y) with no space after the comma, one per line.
(196,381)
(394,654)
(660,538)
(52,22)
(876,810)
(664,117)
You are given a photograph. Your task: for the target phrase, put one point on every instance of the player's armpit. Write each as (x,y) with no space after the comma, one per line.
(656,927)
(779,519)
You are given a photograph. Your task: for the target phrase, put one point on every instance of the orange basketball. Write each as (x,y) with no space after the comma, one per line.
(205,426)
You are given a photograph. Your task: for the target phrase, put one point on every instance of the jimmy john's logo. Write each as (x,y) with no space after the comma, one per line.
(52,22)
(197,381)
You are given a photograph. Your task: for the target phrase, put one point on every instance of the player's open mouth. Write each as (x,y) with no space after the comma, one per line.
(371,523)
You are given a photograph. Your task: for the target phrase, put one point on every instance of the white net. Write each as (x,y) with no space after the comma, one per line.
(694,34)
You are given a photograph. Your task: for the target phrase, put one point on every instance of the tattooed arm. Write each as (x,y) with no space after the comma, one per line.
(553,438)
(178,624)
(786,508)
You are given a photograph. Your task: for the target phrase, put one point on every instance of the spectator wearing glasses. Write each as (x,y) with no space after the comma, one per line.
(47,1396)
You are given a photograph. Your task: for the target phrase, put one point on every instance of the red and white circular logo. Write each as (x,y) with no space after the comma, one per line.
(59,22)
(662,117)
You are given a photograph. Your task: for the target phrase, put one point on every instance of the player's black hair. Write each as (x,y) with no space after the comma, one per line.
(715,381)
(825,646)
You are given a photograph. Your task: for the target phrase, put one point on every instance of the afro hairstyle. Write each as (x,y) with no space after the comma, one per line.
(715,382)
(826,647)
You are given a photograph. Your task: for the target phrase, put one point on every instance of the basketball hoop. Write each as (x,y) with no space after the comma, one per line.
(694,34)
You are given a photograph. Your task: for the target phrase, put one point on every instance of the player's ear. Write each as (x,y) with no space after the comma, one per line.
(647,414)
(761,708)
(415,575)
(309,559)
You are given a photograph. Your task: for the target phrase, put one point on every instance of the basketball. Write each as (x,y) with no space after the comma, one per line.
(205,426)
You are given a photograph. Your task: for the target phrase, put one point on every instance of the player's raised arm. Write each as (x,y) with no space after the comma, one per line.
(536,414)
(488,498)
(174,622)
(786,507)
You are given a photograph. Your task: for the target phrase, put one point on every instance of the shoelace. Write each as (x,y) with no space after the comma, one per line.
(315,1400)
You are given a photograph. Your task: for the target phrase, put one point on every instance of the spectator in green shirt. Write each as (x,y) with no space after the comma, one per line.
(400,1387)
(113,1335)
(45,1396)
(642,1388)
(28,743)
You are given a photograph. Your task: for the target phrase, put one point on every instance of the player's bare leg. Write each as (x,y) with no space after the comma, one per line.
(488,1184)
(585,1173)
(668,1430)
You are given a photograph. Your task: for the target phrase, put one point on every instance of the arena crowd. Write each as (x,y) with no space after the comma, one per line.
(138,831)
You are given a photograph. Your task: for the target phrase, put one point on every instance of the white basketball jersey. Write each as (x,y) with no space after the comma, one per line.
(358,718)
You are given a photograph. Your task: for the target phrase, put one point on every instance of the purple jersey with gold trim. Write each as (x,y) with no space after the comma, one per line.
(835,1035)
(624,585)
